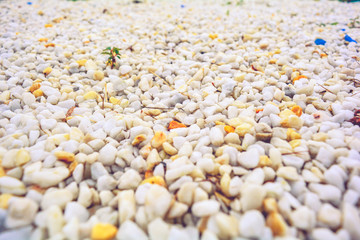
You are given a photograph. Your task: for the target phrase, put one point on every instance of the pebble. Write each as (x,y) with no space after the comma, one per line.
(326,192)
(107,154)
(129,180)
(76,210)
(158,229)
(58,197)
(126,206)
(157,202)
(98,75)
(103,231)
(252,196)
(21,212)
(130,231)
(252,224)
(329,216)
(216,136)
(205,208)
(12,186)
(303,218)
(249,159)
(351,220)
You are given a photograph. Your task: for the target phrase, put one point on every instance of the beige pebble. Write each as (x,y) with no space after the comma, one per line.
(98,75)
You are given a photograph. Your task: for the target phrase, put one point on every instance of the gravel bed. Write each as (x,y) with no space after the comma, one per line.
(219,120)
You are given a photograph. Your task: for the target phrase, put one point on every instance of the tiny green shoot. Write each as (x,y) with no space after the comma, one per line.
(113,53)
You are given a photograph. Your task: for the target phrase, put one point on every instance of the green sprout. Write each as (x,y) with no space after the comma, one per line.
(354,22)
(113,54)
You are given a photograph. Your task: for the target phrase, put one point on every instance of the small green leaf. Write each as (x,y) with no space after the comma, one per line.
(334,23)
(227,13)
(118,57)
(108,48)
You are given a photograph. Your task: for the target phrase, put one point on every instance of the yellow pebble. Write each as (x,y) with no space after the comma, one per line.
(173,158)
(270,205)
(247,37)
(295,143)
(229,129)
(272,61)
(48,25)
(4,200)
(243,129)
(91,95)
(114,101)
(98,75)
(65,156)
(265,161)
(81,62)
(277,51)
(155,180)
(34,87)
(320,137)
(277,224)
(22,157)
(219,123)
(38,93)
(286,113)
(103,231)
(213,36)
(66,89)
(67,54)
(47,71)
(43,39)
(154,112)
(2,172)
(72,166)
(291,134)
(40,13)
(138,139)
(158,139)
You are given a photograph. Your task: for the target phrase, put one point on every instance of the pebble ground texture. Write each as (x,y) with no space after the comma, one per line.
(219,121)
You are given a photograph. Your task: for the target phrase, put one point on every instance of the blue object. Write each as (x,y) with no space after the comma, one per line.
(349,39)
(29,3)
(320,41)
(182,6)
(343,29)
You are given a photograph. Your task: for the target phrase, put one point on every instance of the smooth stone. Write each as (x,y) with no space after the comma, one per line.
(12,185)
(303,218)
(130,231)
(58,197)
(252,224)
(76,210)
(157,202)
(249,159)
(107,154)
(21,212)
(351,220)
(205,208)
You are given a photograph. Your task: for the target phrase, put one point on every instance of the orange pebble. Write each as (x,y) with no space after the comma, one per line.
(229,129)
(297,110)
(299,77)
(176,124)
(148,174)
(259,110)
(50,45)
(34,87)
